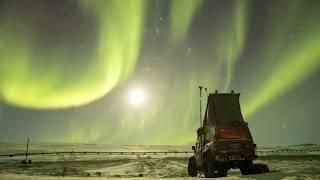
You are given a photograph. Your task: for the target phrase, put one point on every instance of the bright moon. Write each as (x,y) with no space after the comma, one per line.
(137,97)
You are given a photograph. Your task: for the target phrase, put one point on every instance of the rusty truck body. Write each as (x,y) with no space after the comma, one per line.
(224,140)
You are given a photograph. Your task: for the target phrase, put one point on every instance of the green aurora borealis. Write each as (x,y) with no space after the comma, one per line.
(41,77)
(67,66)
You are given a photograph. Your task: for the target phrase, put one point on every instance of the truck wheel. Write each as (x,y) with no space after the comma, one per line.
(245,167)
(208,168)
(192,171)
(222,171)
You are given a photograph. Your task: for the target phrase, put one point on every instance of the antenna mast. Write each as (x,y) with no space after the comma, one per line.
(200,88)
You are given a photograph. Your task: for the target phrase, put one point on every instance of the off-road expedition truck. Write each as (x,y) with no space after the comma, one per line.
(224,140)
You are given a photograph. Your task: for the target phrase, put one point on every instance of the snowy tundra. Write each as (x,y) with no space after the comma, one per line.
(286,164)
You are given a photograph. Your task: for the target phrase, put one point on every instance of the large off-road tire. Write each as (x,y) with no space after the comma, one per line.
(245,167)
(222,171)
(192,170)
(209,167)
(209,170)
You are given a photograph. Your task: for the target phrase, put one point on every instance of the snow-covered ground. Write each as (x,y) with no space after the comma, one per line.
(283,165)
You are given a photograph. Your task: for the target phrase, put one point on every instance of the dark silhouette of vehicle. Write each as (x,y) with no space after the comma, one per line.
(224,140)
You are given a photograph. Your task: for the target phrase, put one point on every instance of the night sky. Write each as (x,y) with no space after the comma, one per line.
(68,67)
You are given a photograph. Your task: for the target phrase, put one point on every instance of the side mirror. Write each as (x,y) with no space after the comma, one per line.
(193,148)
